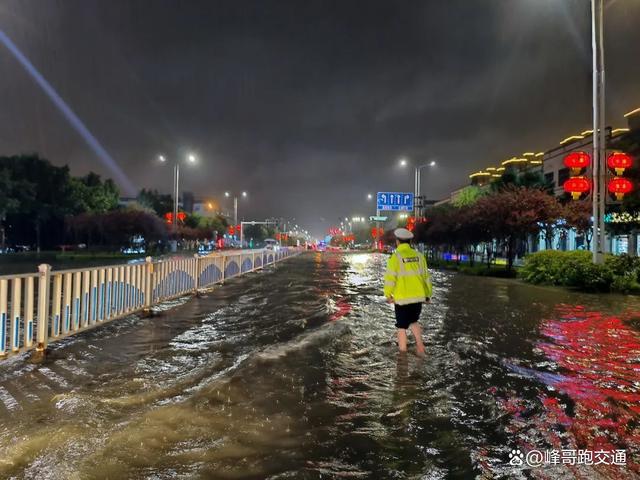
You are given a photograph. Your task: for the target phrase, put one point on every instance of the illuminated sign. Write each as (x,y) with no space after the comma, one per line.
(394,201)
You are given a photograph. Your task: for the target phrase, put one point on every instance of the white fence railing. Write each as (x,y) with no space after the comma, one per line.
(40,308)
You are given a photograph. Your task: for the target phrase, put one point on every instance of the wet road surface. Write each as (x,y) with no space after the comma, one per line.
(293,373)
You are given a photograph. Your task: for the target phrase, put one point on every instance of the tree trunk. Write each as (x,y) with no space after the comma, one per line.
(632,248)
(510,253)
(548,239)
(38,235)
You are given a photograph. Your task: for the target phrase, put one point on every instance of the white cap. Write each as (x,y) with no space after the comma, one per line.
(403,234)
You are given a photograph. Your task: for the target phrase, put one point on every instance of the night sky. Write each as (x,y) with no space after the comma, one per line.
(307,105)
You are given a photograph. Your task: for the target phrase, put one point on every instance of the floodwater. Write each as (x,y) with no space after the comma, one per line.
(293,373)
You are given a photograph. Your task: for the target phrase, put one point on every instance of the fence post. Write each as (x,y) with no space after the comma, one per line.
(148,288)
(196,273)
(44,271)
(224,267)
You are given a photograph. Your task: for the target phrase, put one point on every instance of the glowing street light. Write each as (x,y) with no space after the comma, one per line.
(416,184)
(191,158)
(235,204)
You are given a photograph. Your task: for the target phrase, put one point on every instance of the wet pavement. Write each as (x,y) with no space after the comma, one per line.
(293,373)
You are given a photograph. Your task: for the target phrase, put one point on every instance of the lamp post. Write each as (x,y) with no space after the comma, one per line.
(377,224)
(416,182)
(235,205)
(191,158)
(599,138)
(235,208)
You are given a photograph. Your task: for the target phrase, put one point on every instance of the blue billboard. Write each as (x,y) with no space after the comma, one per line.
(394,201)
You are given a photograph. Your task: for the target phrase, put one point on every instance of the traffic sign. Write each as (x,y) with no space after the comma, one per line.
(394,201)
(378,219)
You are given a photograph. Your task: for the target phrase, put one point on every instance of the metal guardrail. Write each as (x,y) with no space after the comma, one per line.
(38,309)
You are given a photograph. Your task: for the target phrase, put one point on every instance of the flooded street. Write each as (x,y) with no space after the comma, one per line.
(293,372)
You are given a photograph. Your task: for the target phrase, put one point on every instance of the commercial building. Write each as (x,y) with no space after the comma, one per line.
(550,164)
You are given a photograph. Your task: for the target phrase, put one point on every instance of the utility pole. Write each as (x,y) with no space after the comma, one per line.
(235,211)
(599,136)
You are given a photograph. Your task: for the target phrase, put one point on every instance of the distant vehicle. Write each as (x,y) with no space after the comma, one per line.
(271,244)
(136,250)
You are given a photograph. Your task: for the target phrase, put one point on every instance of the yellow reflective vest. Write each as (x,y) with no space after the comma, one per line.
(407,279)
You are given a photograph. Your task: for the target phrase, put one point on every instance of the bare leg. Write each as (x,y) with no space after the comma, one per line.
(402,339)
(417,333)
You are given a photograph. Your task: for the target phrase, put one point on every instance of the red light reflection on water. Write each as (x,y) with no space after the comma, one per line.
(598,360)
(343,307)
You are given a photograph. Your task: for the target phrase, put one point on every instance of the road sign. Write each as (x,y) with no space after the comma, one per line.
(378,219)
(395,201)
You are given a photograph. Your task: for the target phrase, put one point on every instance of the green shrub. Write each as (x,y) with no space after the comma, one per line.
(568,269)
(624,265)
(548,267)
(625,284)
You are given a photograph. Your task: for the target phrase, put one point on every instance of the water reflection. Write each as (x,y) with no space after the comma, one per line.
(592,379)
(294,373)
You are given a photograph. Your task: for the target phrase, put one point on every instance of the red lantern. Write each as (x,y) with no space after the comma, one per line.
(168,217)
(182,216)
(232,230)
(619,161)
(619,186)
(576,186)
(577,161)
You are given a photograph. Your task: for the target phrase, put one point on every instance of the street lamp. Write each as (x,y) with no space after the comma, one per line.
(191,158)
(416,184)
(599,139)
(235,205)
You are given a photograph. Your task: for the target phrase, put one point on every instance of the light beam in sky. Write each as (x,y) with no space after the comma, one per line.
(69,114)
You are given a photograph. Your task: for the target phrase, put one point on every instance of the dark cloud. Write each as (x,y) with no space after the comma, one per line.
(308,104)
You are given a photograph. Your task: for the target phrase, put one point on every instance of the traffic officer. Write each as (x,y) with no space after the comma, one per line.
(407,284)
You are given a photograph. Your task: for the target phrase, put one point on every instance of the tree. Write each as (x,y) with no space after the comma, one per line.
(42,192)
(514,213)
(116,228)
(511,177)
(468,196)
(257,233)
(158,202)
(8,203)
(91,194)
(550,222)
(577,215)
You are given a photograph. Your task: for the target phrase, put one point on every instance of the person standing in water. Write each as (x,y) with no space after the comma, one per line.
(407,285)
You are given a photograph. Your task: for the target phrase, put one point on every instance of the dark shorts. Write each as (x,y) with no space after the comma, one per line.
(407,314)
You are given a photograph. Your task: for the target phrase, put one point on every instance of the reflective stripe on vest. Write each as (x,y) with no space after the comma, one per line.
(403,271)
